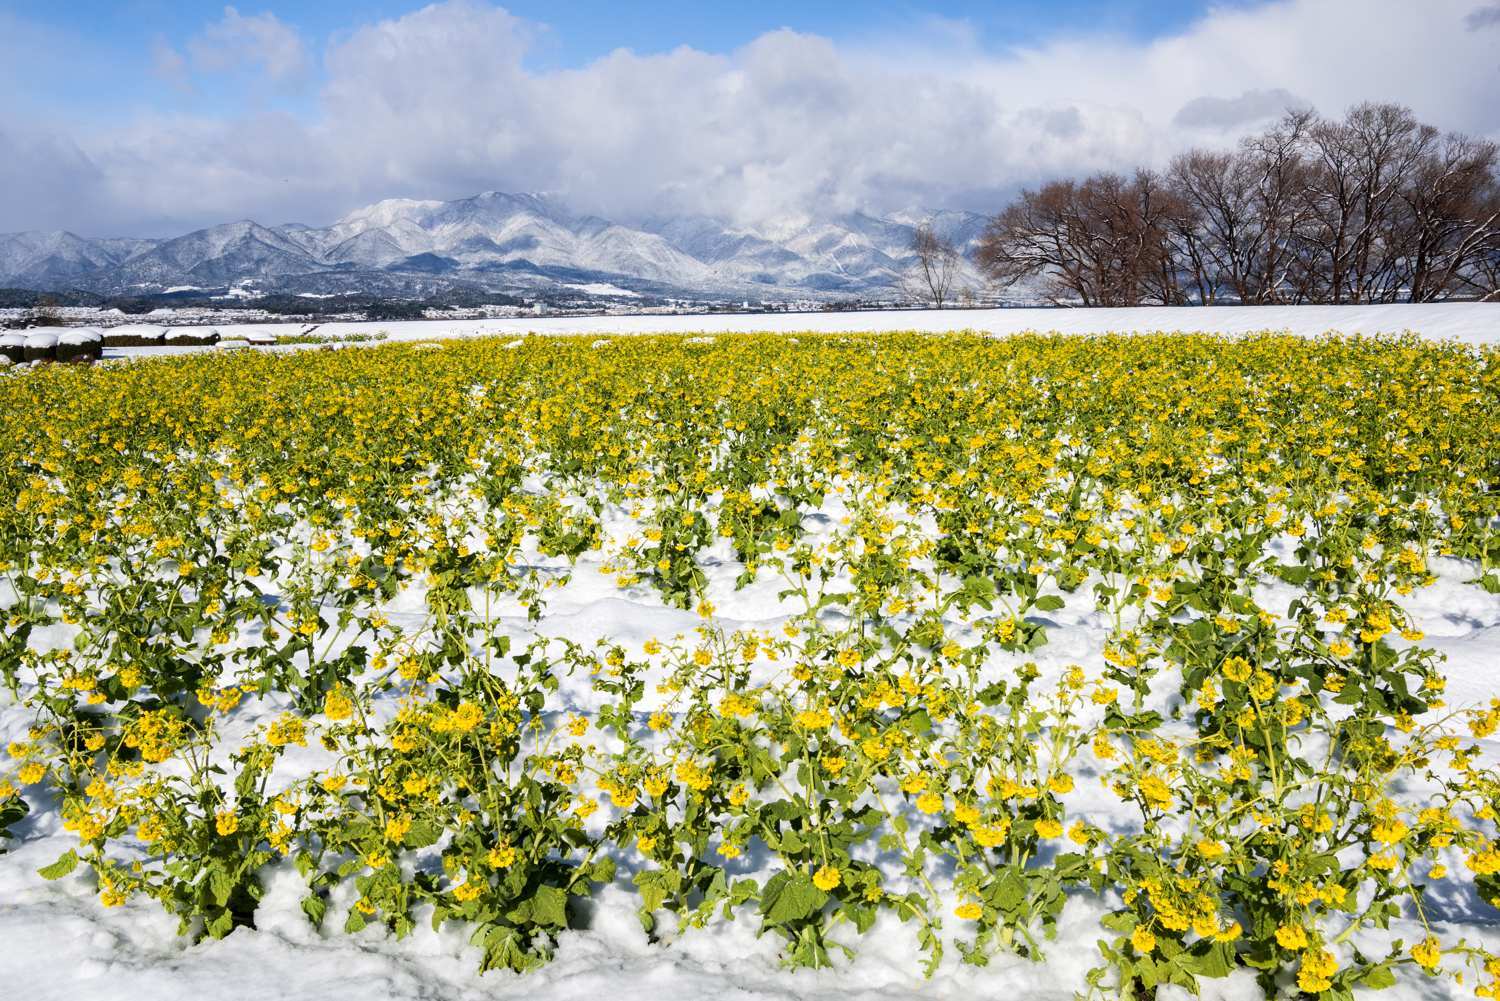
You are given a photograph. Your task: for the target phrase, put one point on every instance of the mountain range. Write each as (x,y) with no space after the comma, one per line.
(493,242)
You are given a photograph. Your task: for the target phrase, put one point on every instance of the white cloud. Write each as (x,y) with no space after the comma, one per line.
(259,41)
(169,65)
(1487,16)
(1251,107)
(440,103)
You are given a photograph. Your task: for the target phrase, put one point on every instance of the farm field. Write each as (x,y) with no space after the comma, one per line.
(776,664)
(1473,322)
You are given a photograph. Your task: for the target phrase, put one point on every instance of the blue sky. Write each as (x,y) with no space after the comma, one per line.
(150,117)
(112,43)
(581,31)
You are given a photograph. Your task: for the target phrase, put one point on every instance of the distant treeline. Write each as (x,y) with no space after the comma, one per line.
(43,306)
(1374,208)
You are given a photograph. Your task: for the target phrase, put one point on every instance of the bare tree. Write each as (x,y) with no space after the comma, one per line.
(1245,212)
(932,276)
(1098,242)
(1451,215)
(1375,207)
(1033,239)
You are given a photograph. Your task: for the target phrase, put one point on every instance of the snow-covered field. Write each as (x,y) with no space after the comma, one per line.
(56,942)
(61,945)
(1477,323)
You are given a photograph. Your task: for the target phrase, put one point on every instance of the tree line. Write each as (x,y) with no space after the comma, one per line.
(1376,207)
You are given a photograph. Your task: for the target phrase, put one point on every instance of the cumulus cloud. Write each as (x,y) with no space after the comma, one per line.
(169,65)
(1253,106)
(1483,17)
(236,42)
(41,171)
(440,103)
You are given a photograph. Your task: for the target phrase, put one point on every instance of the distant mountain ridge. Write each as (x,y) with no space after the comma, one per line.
(494,241)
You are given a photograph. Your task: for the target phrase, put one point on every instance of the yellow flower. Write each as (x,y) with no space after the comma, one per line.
(929,802)
(1048,828)
(1210,849)
(969,911)
(31,773)
(1428,953)
(226,823)
(826,878)
(466,717)
(287,730)
(1155,792)
(1262,686)
(110,895)
(1315,974)
(337,705)
(814,719)
(1142,940)
(1291,936)
(991,835)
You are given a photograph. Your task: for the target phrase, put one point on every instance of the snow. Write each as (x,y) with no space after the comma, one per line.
(1477,323)
(79,336)
(57,941)
(55,938)
(604,288)
(1474,323)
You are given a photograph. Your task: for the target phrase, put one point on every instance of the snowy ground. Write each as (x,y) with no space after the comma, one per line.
(1477,323)
(56,942)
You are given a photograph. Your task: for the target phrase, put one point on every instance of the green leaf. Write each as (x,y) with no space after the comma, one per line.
(789,897)
(64,865)
(1049,603)
(547,907)
(220,924)
(315,907)
(1009,892)
(602,871)
(1378,978)
(220,886)
(654,885)
(1209,959)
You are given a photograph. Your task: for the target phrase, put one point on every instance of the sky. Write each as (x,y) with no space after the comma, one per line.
(152,117)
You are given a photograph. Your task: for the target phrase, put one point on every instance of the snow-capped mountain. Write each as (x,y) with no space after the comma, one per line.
(495,241)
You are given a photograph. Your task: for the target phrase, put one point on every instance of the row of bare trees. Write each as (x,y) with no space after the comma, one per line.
(1374,208)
